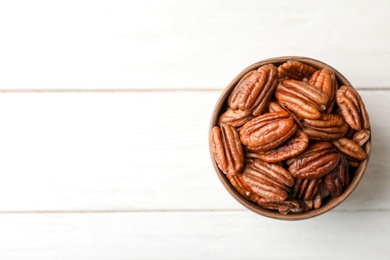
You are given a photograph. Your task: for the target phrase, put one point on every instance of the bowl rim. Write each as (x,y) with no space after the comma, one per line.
(333,202)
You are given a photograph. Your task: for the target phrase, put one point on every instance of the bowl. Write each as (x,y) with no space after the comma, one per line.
(328,203)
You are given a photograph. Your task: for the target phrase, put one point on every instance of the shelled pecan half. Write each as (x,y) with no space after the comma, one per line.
(361,137)
(302,98)
(284,207)
(350,148)
(352,108)
(267,131)
(338,178)
(293,69)
(293,147)
(269,181)
(254,90)
(325,79)
(317,160)
(325,128)
(306,188)
(227,149)
(242,188)
(235,118)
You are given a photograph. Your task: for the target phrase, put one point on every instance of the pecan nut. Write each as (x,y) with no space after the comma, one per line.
(325,79)
(306,188)
(316,161)
(267,131)
(295,70)
(235,118)
(274,107)
(293,147)
(352,108)
(226,148)
(325,128)
(302,98)
(269,181)
(315,203)
(284,207)
(350,148)
(336,180)
(242,188)
(361,137)
(254,90)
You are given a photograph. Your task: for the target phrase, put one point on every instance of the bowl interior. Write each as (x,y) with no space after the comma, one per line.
(328,203)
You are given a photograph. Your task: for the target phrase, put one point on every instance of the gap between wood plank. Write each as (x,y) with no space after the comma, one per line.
(140,90)
(161,211)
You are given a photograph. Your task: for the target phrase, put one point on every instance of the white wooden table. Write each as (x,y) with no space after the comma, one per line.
(104,112)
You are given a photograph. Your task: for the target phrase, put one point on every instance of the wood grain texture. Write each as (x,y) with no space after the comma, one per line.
(184,44)
(215,235)
(136,151)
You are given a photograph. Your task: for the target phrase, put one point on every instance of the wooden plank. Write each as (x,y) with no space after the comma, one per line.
(135,151)
(203,235)
(184,44)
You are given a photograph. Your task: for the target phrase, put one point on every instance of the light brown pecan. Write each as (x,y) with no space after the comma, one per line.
(352,108)
(267,131)
(361,137)
(336,180)
(235,118)
(269,181)
(254,90)
(316,161)
(226,148)
(274,107)
(306,188)
(293,147)
(242,188)
(295,70)
(302,98)
(325,128)
(325,79)
(317,201)
(350,148)
(284,207)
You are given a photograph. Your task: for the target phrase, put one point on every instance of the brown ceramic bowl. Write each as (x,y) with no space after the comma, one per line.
(328,203)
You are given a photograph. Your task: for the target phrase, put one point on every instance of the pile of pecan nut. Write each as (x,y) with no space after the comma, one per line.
(290,137)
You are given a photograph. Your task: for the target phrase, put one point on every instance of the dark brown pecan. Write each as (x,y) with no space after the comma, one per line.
(284,207)
(235,118)
(306,188)
(350,133)
(242,188)
(352,108)
(325,79)
(361,137)
(327,127)
(353,163)
(293,147)
(350,148)
(269,181)
(226,148)
(317,160)
(267,131)
(302,98)
(254,90)
(295,70)
(336,180)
